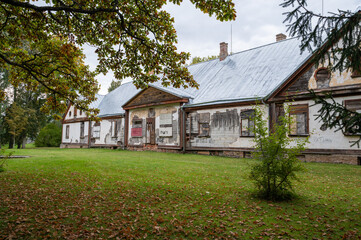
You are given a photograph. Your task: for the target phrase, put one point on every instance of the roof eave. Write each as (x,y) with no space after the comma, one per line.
(220,102)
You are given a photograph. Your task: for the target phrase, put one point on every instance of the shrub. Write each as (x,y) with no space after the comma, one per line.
(277,155)
(49,136)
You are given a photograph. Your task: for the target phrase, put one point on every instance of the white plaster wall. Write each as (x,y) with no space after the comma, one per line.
(226,137)
(106,132)
(71,109)
(328,139)
(74,133)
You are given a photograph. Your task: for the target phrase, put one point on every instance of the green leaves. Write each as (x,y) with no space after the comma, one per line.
(40,45)
(277,155)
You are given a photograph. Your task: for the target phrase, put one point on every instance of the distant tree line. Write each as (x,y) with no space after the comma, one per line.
(202,59)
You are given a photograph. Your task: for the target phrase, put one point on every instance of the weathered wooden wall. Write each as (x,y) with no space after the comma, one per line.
(170,139)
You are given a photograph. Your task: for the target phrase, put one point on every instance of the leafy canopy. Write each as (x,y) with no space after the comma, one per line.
(40,44)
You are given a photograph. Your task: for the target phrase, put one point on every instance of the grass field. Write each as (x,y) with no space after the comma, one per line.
(100,193)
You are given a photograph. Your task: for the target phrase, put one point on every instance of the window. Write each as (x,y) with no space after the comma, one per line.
(96,130)
(165,125)
(67,129)
(352,127)
(299,120)
(323,77)
(137,128)
(70,114)
(82,130)
(247,123)
(114,129)
(203,125)
(80,112)
(75,112)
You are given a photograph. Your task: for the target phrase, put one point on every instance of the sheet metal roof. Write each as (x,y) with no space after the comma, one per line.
(112,102)
(244,76)
(251,74)
(95,104)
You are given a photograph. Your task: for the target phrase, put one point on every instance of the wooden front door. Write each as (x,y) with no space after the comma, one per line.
(151,131)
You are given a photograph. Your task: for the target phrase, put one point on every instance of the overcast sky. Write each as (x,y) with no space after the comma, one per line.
(257,23)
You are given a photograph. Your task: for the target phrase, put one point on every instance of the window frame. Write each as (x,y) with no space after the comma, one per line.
(204,118)
(114,127)
(67,131)
(98,127)
(200,126)
(300,108)
(320,81)
(82,130)
(345,102)
(134,120)
(249,120)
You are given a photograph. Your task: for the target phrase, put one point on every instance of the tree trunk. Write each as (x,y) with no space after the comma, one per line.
(11,142)
(24,143)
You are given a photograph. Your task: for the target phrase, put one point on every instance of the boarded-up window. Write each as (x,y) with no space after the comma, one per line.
(114,129)
(137,127)
(203,123)
(299,120)
(323,77)
(247,123)
(67,130)
(96,130)
(165,125)
(354,106)
(82,129)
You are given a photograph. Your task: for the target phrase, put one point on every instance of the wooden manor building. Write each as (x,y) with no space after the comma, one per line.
(216,118)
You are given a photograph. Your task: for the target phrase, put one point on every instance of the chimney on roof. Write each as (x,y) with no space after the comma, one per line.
(280,37)
(223,51)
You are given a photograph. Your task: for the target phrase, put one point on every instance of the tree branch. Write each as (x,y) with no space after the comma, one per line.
(57,9)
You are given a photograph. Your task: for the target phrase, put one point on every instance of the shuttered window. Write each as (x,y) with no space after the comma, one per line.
(96,130)
(247,123)
(299,120)
(204,130)
(353,128)
(67,129)
(82,130)
(137,128)
(114,129)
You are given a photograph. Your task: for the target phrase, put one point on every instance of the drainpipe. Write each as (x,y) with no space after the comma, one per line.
(89,134)
(183,129)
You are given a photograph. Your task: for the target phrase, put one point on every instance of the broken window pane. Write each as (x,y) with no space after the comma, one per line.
(247,123)
(299,119)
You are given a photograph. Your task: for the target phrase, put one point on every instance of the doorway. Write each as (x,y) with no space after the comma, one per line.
(150,131)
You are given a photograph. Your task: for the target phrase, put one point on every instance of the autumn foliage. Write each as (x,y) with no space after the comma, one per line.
(41,45)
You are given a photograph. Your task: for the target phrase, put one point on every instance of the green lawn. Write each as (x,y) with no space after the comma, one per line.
(100,193)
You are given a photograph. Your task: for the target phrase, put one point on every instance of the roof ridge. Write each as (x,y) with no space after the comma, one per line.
(246,50)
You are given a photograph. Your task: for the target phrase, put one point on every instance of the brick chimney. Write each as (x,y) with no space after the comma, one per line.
(280,37)
(223,51)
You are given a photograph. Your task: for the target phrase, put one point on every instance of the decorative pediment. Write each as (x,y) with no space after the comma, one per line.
(152,96)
